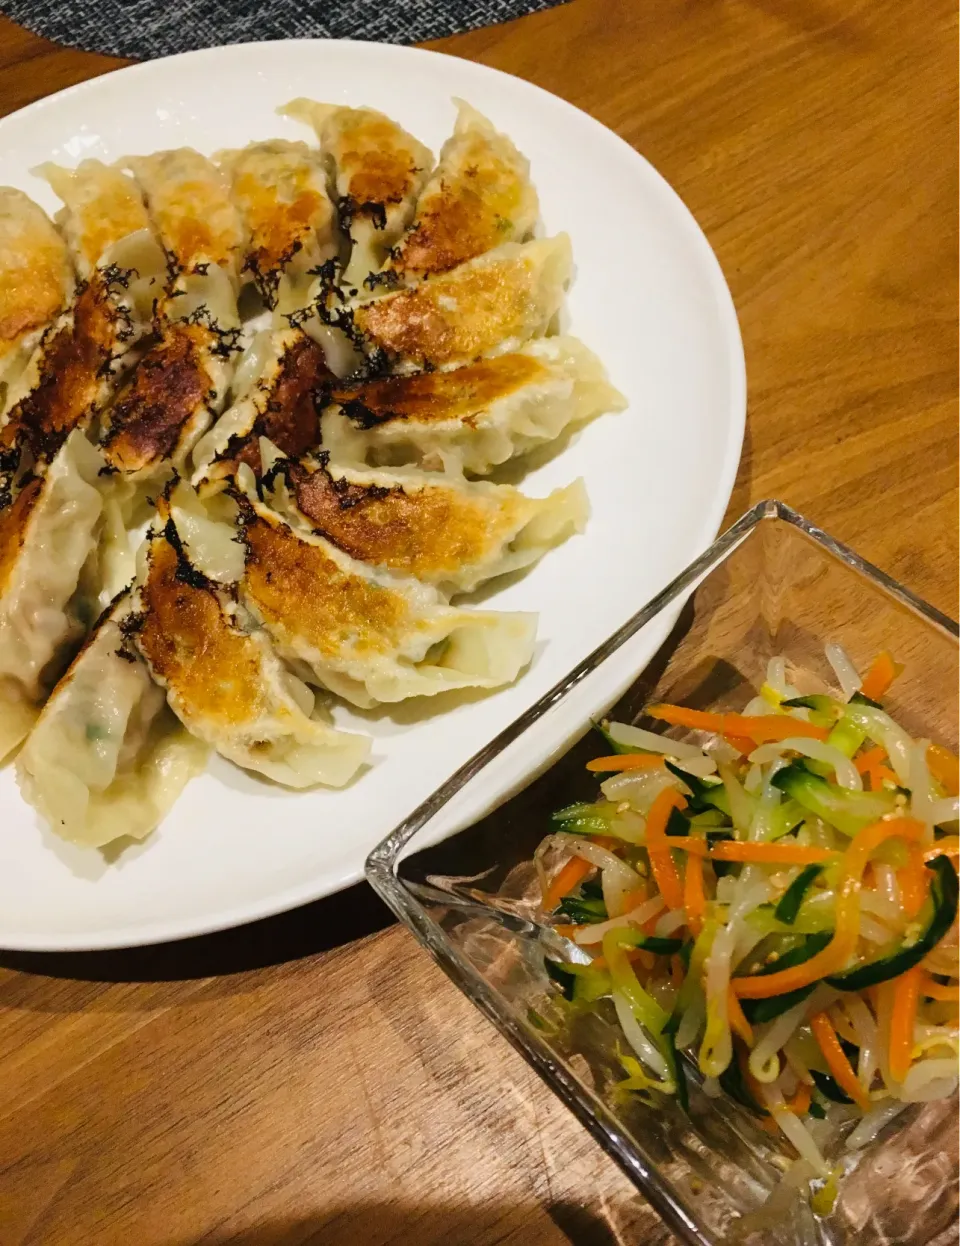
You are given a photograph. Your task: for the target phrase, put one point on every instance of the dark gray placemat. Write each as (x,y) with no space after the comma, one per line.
(145,29)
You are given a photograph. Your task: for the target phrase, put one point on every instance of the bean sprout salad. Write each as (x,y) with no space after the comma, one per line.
(774,899)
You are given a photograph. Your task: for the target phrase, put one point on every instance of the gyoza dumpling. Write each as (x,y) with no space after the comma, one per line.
(490,305)
(46,537)
(279,405)
(180,385)
(72,374)
(473,418)
(448,532)
(106,223)
(189,202)
(35,280)
(107,757)
(225,682)
(176,391)
(379,170)
(369,636)
(280,188)
(478,197)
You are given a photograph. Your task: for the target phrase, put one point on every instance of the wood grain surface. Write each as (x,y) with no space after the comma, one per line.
(314,1078)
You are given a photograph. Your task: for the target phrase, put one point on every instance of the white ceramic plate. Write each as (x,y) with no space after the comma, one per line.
(648,296)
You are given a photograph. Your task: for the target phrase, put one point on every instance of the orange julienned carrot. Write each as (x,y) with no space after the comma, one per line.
(738,1022)
(658,846)
(937,990)
(565,930)
(799,1104)
(570,876)
(846,934)
(771,854)
(627,761)
(840,1068)
(689,843)
(913,879)
(694,897)
(877,776)
(872,757)
(903,1019)
(945,768)
(759,728)
(883,671)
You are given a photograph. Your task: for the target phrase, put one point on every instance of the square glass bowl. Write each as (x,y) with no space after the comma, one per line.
(465,884)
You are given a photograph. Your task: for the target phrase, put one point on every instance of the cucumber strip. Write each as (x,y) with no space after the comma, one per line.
(847,811)
(789,905)
(943,900)
(582,911)
(581,984)
(703,795)
(631,937)
(611,743)
(677,824)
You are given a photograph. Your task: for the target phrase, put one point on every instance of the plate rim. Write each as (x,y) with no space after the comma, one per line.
(176,929)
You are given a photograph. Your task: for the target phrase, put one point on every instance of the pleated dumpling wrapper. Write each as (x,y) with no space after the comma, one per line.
(108,227)
(473,418)
(280,189)
(107,758)
(489,306)
(223,678)
(443,530)
(477,198)
(368,636)
(378,171)
(36,280)
(46,537)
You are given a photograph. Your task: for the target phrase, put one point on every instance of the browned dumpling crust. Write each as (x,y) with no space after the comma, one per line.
(492,304)
(280,189)
(190,205)
(158,413)
(35,273)
(74,379)
(478,197)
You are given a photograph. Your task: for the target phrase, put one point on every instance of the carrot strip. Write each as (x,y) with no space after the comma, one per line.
(741,745)
(758,728)
(799,1105)
(945,768)
(689,843)
(937,990)
(872,757)
(846,934)
(738,1022)
(566,931)
(877,776)
(633,899)
(572,874)
(606,841)
(658,846)
(694,898)
(627,761)
(903,1018)
(840,1068)
(912,880)
(883,671)
(771,854)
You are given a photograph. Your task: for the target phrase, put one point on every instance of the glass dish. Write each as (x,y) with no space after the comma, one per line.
(772,584)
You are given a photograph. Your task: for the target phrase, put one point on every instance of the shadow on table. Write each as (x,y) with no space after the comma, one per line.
(390,1224)
(313,928)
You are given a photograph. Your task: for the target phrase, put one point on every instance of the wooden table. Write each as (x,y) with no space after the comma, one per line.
(306,1079)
